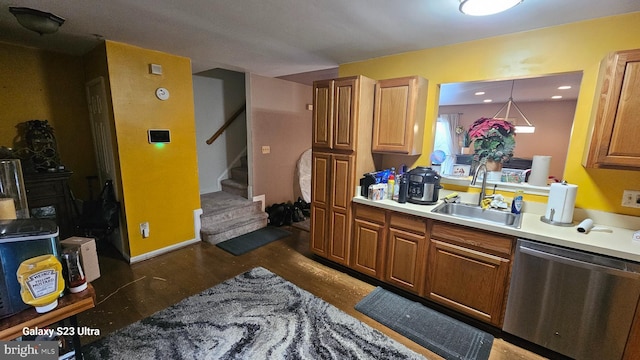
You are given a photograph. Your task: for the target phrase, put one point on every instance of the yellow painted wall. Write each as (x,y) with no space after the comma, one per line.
(578,46)
(44,85)
(159,184)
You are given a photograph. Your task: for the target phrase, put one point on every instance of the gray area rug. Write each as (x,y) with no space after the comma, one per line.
(445,336)
(256,315)
(244,243)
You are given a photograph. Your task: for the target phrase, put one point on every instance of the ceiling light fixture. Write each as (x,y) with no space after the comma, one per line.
(486,7)
(521,129)
(36,20)
(479,93)
(556,97)
(564,87)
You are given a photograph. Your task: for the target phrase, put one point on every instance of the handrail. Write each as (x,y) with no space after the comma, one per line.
(226,124)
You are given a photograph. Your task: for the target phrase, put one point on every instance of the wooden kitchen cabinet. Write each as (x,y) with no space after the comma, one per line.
(406,253)
(330,183)
(399,115)
(369,240)
(614,141)
(468,271)
(337,112)
(342,122)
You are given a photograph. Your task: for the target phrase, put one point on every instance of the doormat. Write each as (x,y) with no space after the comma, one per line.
(253,240)
(445,336)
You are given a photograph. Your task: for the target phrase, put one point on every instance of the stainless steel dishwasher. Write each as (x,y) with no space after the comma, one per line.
(575,303)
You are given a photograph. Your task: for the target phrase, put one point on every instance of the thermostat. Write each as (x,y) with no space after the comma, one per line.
(159,136)
(162,93)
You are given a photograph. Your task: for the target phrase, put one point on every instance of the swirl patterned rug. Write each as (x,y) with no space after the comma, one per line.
(256,315)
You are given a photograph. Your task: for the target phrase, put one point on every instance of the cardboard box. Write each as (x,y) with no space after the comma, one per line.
(88,255)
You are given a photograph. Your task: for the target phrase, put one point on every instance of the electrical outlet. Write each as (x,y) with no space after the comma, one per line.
(266,149)
(144,229)
(631,198)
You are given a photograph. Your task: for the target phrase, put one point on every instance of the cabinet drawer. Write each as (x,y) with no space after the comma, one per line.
(40,190)
(414,224)
(473,238)
(370,214)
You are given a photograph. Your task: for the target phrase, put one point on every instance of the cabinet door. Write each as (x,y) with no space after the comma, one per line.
(341,193)
(406,257)
(614,142)
(469,281)
(368,241)
(322,114)
(399,115)
(344,113)
(320,170)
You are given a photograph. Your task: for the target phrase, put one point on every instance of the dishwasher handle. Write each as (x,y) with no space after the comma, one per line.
(578,263)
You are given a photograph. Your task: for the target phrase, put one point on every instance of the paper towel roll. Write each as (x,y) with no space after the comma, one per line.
(7,209)
(540,170)
(562,200)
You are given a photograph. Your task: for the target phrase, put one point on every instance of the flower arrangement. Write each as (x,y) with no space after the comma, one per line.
(493,139)
(465,139)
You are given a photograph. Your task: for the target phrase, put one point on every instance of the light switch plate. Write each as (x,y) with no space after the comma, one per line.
(631,198)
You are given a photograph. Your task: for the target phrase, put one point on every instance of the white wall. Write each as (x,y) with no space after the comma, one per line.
(215,100)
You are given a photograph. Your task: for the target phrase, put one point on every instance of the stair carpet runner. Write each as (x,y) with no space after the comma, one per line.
(228,213)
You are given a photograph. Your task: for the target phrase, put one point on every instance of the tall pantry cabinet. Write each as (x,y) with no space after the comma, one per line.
(342,128)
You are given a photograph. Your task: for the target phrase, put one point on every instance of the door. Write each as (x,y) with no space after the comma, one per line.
(101,131)
(344,114)
(341,193)
(368,242)
(405,260)
(320,170)
(103,145)
(322,114)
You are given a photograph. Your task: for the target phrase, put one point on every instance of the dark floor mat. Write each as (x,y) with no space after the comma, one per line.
(253,240)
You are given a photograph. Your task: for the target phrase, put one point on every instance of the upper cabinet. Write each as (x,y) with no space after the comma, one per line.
(399,115)
(337,105)
(614,141)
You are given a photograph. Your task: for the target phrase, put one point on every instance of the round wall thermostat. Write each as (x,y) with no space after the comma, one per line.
(162,93)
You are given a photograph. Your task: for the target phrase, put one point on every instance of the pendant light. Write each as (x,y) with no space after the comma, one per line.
(486,7)
(520,129)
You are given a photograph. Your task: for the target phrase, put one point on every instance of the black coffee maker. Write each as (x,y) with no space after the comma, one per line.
(424,186)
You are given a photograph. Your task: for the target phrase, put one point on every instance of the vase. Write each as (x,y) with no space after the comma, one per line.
(493,165)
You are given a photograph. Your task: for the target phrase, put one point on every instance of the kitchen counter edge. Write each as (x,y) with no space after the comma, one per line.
(618,243)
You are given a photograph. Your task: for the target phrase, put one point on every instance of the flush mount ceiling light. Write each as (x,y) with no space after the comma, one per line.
(36,20)
(521,129)
(486,7)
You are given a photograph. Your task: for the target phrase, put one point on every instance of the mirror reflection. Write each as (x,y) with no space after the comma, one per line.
(541,110)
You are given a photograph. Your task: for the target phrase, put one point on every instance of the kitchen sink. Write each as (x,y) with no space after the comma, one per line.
(475,212)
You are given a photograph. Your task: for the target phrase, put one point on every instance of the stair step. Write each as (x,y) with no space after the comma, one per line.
(234,187)
(240,174)
(225,216)
(223,206)
(232,228)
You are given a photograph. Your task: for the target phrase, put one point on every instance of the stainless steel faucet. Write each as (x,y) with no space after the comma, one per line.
(483,189)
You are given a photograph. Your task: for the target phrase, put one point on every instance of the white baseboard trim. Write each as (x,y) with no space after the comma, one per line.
(197,223)
(164,250)
(260,198)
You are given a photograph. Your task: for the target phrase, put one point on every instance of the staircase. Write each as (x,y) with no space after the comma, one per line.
(237,183)
(228,213)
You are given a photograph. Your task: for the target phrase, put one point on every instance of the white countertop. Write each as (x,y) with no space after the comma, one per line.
(617,243)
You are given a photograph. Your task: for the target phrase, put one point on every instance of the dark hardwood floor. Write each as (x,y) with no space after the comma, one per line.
(126,293)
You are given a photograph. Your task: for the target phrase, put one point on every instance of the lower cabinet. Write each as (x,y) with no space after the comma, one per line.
(369,240)
(462,268)
(468,271)
(407,253)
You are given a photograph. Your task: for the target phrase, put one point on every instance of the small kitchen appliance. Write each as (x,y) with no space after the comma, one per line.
(424,185)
